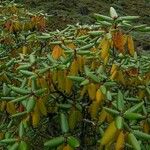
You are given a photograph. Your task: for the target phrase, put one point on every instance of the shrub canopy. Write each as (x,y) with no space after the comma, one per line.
(82,87)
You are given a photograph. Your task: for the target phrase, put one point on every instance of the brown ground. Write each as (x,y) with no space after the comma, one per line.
(72,11)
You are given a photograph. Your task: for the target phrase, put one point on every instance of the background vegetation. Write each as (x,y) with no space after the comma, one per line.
(73,11)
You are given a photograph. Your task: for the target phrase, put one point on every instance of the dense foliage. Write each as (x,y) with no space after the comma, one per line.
(84,87)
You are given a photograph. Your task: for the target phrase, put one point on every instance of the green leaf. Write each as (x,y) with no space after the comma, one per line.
(10,140)
(119,122)
(14,146)
(64,123)
(42,71)
(27,73)
(93,77)
(105,23)
(6,90)
(141,135)
(103,89)
(19,114)
(136,107)
(10,62)
(33,84)
(138,27)
(132,139)
(24,82)
(23,146)
(120,101)
(83,37)
(85,82)
(21,129)
(73,142)
(96,33)
(40,91)
(87,70)
(109,95)
(111,111)
(32,58)
(146,29)
(24,67)
(148,90)
(46,36)
(76,78)
(102,17)
(54,142)
(19,99)
(31,104)
(19,90)
(64,106)
(68,59)
(51,59)
(88,46)
(128,18)
(133,116)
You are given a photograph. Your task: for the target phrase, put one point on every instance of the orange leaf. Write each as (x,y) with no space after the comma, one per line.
(57,52)
(119,41)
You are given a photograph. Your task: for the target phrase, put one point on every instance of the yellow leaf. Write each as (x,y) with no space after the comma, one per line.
(92,91)
(17,26)
(68,85)
(1,135)
(99,96)
(81,61)
(74,118)
(83,91)
(120,77)
(146,127)
(43,83)
(109,134)
(102,116)
(105,46)
(61,79)
(120,141)
(74,67)
(71,45)
(130,45)
(141,94)
(93,109)
(109,118)
(114,74)
(113,68)
(11,108)
(93,49)
(93,65)
(35,116)
(67,147)
(42,107)
(3,105)
(113,71)
(24,50)
(54,76)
